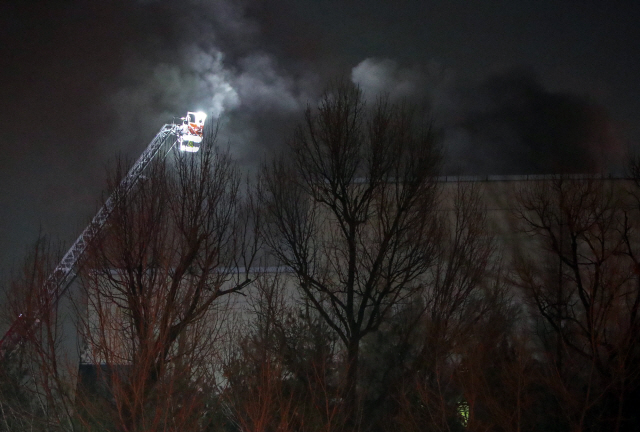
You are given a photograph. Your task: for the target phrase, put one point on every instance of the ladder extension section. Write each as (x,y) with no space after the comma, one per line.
(58,282)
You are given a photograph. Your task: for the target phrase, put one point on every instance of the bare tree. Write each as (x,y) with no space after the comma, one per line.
(282,374)
(353,213)
(37,377)
(463,311)
(155,282)
(580,275)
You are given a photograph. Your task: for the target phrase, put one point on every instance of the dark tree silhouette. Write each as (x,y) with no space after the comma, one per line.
(154,283)
(353,213)
(580,274)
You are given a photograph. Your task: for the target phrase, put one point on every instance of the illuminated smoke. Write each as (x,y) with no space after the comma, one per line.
(216,66)
(378,76)
(506,123)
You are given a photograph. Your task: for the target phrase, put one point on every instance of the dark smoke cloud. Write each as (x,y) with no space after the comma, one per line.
(84,80)
(507,123)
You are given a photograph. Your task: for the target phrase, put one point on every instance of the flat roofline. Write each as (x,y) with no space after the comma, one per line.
(529,177)
(234,270)
(516,177)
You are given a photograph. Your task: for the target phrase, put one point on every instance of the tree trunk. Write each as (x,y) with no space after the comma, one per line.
(351,385)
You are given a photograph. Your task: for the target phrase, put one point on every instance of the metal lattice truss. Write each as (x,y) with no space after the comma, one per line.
(60,279)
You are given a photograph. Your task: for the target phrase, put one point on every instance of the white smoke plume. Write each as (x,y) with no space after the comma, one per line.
(384,76)
(219,67)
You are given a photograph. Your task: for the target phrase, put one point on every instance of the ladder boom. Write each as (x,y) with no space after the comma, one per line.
(60,279)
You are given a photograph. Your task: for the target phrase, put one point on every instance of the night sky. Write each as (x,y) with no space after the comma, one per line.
(514,87)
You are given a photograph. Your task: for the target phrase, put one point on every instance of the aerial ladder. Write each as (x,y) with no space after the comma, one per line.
(188,136)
